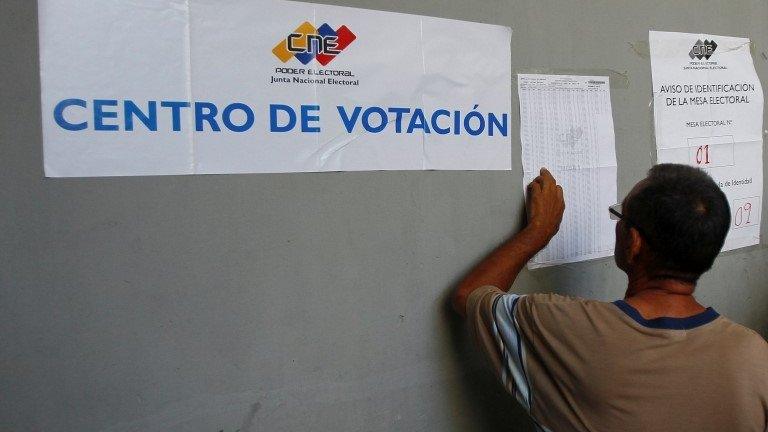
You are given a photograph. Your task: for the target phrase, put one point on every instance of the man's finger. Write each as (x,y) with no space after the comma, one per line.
(547,178)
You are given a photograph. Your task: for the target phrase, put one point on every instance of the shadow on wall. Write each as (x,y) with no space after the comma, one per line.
(479,390)
(494,408)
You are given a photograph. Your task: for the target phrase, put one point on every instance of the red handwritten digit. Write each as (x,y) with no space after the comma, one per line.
(748,209)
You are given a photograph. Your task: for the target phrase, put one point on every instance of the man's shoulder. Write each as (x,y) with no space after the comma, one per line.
(557,308)
(743,337)
(540,307)
(741,351)
(559,301)
(541,301)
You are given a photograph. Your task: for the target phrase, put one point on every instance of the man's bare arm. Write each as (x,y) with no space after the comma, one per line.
(545,206)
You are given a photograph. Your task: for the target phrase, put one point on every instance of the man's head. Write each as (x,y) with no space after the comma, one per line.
(674,224)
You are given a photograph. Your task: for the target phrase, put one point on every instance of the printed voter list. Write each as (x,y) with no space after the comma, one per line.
(154,87)
(708,113)
(566,125)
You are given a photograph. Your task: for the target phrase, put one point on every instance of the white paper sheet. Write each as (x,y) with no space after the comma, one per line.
(96,56)
(566,125)
(708,113)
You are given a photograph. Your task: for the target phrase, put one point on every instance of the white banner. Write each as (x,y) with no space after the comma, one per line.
(155,87)
(708,112)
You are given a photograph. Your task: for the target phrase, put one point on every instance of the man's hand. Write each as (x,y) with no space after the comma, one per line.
(545,206)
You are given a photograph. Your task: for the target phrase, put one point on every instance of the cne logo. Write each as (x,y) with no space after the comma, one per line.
(702,50)
(307,43)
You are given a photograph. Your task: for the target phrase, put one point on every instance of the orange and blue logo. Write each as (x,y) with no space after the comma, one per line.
(307,43)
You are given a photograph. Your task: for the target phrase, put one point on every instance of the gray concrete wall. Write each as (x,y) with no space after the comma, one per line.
(302,302)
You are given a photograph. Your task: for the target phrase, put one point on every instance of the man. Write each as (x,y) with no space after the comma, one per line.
(655,361)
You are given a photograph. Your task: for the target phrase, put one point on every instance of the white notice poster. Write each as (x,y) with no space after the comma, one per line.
(566,125)
(155,87)
(708,112)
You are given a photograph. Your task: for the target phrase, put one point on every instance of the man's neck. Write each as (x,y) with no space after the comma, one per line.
(655,298)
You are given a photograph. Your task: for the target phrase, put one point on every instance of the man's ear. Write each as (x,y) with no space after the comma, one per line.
(635,245)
